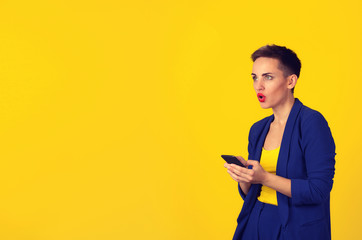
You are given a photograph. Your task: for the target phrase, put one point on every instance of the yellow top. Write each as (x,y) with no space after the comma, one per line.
(268,161)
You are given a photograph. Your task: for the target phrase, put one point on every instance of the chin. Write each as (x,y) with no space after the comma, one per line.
(264,106)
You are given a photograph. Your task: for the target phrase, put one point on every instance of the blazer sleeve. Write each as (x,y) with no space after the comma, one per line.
(319,153)
(250,149)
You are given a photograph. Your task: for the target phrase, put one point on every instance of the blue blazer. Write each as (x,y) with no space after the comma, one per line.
(306,157)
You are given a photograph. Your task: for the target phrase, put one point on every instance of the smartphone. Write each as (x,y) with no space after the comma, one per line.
(232,159)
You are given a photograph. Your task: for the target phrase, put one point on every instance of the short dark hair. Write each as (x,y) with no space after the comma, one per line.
(289,61)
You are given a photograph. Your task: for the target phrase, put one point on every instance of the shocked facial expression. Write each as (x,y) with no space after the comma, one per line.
(270,84)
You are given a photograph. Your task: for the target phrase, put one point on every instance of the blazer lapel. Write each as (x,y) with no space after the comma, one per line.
(284,156)
(287,135)
(255,155)
(261,141)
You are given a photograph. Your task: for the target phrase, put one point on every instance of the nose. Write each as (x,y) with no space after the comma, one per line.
(258,85)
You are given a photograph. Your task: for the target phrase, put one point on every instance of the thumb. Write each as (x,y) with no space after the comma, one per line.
(242,160)
(252,163)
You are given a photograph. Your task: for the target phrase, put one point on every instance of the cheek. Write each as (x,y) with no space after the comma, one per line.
(277,88)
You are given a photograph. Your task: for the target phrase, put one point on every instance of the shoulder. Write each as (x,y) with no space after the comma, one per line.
(309,116)
(315,133)
(314,127)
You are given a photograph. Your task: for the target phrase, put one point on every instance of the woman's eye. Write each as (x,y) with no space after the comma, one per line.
(269,77)
(255,78)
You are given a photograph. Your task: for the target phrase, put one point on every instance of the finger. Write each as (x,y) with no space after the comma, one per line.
(253,163)
(244,173)
(240,178)
(237,177)
(233,176)
(242,160)
(256,165)
(237,169)
(227,165)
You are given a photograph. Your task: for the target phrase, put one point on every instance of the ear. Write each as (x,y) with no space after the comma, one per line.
(292,81)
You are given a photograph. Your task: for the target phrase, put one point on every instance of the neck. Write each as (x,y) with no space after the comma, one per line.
(281,112)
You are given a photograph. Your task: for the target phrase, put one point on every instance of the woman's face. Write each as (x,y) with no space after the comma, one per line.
(270,84)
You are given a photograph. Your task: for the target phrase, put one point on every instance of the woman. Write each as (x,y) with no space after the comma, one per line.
(289,175)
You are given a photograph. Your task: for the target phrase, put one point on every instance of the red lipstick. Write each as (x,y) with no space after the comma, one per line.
(261,97)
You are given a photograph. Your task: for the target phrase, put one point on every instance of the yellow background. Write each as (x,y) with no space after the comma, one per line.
(114,114)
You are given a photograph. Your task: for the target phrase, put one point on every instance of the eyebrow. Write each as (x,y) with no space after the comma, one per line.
(262,74)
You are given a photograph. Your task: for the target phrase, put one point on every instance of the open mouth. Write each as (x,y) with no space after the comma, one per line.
(261,97)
